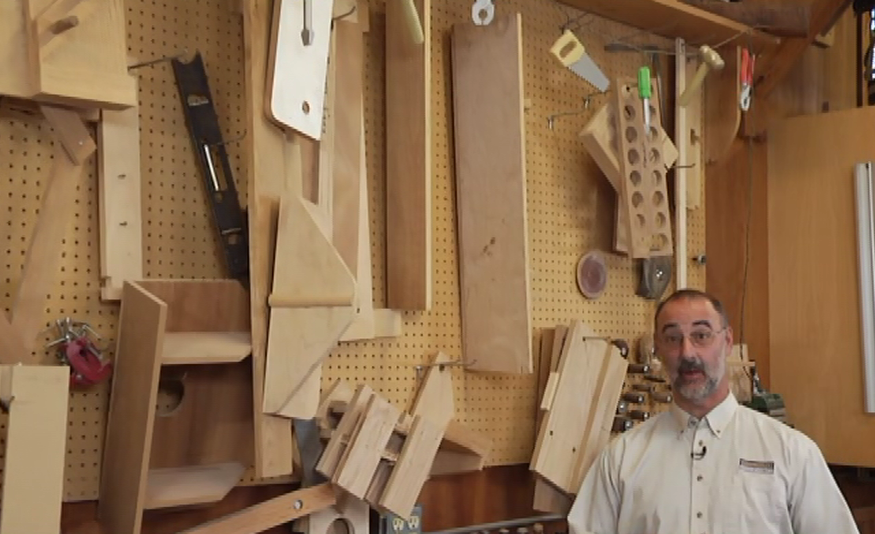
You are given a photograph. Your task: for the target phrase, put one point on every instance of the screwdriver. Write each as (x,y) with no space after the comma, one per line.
(307,31)
(645,93)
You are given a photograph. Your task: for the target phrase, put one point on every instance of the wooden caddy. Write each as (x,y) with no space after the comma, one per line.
(193,334)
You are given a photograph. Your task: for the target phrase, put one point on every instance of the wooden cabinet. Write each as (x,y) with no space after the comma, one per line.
(814,291)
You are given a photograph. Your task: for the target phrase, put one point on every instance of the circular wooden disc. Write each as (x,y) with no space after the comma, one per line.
(592,275)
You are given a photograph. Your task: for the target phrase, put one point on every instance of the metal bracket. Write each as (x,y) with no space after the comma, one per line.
(482,12)
(655,276)
(203,126)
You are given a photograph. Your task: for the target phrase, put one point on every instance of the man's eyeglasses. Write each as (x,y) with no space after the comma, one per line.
(701,338)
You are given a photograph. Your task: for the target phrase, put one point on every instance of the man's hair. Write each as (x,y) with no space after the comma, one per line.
(692,294)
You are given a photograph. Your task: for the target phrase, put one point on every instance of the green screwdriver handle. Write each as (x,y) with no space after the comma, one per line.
(644,90)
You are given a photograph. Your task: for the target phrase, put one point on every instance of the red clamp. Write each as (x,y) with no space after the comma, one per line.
(87,368)
(76,349)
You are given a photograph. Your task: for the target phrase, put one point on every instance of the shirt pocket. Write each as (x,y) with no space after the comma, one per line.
(757,504)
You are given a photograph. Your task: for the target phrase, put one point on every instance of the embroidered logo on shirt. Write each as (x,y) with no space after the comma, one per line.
(757,466)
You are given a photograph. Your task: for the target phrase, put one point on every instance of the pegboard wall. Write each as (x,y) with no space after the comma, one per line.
(570,209)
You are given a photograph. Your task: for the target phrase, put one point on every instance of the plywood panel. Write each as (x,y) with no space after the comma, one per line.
(491,195)
(815,334)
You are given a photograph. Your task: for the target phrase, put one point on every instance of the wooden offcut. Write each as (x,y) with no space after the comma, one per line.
(578,422)
(198,451)
(266,181)
(36,431)
(408,160)
(491,195)
(121,220)
(69,45)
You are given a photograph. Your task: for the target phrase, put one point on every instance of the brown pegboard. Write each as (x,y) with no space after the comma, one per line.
(570,209)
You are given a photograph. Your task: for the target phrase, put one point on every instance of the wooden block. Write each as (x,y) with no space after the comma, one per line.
(549,499)
(271,513)
(310,310)
(364,451)
(493,247)
(336,446)
(63,64)
(266,180)
(132,410)
(601,414)
(118,193)
(43,258)
(408,161)
(70,131)
(562,435)
(36,437)
(413,467)
(643,187)
(434,398)
(186,486)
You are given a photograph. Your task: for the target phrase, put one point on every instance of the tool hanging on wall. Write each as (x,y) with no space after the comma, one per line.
(203,126)
(748,62)
(655,276)
(482,12)
(710,60)
(411,18)
(77,347)
(572,54)
(645,93)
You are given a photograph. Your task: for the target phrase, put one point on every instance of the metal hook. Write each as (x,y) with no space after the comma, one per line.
(587,102)
(347,14)
(151,62)
(441,365)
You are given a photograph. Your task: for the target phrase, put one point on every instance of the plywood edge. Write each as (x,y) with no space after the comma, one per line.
(182,486)
(181,348)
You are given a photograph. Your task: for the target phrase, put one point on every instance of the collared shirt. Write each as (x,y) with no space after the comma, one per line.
(735,471)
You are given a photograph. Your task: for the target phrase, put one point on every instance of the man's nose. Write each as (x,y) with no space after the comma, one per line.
(687,348)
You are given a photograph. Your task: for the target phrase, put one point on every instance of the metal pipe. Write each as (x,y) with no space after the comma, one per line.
(510,523)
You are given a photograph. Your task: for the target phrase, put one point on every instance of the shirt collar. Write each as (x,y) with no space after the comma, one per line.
(718,418)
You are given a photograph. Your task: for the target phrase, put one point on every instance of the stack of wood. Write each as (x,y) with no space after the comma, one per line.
(585,375)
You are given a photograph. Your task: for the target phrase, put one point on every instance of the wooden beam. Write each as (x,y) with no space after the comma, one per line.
(776,66)
(670,18)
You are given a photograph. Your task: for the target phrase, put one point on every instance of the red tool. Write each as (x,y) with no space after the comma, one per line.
(77,350)
(87,367)
(748,62)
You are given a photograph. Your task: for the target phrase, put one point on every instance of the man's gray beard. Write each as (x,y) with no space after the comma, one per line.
(701,392)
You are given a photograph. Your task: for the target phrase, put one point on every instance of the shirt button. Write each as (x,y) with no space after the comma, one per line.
(699,515)
(699,478)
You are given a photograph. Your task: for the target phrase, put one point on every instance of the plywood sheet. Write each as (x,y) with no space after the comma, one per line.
(813,274)
(491,195)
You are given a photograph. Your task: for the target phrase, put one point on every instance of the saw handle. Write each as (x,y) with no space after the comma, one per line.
(567,49)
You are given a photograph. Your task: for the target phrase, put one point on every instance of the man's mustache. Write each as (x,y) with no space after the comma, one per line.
(689,365)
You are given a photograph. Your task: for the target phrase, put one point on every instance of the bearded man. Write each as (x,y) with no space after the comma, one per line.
(708,464)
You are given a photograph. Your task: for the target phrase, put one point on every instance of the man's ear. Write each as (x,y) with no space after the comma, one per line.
(729,338)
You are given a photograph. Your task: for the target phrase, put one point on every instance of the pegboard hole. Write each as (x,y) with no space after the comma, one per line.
(634,157)
(654,133)
(629,112)
(305,107)
(658,198)
(340,526)
(171,392)
(637,199)
(652,111)
(657,178)
(631,134)
(635,178)
(654,155)
(641,221)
